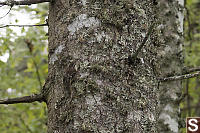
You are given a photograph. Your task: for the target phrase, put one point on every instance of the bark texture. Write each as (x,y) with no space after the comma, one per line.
(92,85)
(170,62)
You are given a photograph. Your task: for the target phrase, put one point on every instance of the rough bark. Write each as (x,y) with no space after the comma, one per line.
(92,85)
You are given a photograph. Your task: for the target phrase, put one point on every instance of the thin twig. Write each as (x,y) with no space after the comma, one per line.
(27,126)
(188,97)
(186,74)
(30,47)
(7,12)
(189,25)
(25,99)
(37,73)
(179,77)
(134,56)
(196,87)
(23,2)
(15,25)
(191,70)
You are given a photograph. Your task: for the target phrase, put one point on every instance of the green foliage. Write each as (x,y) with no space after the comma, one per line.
(18,76)
(190,105)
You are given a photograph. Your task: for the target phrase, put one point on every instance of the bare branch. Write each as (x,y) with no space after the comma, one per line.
(25,99)
(7,12)
(23,2)
(180,77)
(191,70)
(15,25)
(133,57)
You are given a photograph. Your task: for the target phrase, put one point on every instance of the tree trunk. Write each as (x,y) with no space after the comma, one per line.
(94,83)
(170,62)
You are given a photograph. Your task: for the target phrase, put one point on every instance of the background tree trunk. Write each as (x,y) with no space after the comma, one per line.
(93,85)
(170,62)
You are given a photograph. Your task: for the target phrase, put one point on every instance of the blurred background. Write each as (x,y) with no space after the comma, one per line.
(190,105)
(23,65)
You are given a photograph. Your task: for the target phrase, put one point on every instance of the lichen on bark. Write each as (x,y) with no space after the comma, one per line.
(170,60)
(95,87)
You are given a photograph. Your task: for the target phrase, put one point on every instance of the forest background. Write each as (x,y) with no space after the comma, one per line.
(23,65)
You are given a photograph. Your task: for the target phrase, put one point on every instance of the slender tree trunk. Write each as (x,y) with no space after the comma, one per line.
(170,63)
(95,83)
